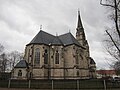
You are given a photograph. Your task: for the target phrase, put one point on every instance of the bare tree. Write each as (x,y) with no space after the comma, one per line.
(113,33)
(1,48)
(3,59)
(4,62)
(14,57)
(9,60)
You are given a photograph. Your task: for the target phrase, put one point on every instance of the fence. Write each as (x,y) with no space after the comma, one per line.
(61,84)
(4,75)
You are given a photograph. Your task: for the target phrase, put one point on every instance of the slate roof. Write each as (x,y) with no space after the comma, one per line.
(48,39)
(56,41)
(21,64)
(42,38)
(68,39)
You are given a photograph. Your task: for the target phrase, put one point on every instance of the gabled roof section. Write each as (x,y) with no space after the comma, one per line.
(42,38)
(68,39)
(22,64)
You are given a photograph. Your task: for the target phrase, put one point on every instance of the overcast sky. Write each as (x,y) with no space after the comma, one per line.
(20,21)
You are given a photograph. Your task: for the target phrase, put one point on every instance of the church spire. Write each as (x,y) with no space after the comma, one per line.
(80,35)
(79,24)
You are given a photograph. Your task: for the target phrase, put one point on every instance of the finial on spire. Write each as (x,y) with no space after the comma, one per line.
(56,34)
(40,27)
(78,11)
(69,30)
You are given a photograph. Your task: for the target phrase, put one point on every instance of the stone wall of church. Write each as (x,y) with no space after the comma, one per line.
(57,73)
(76,63)
(23,75)
(72,62)
(57,70)
(38,73)
(69,56)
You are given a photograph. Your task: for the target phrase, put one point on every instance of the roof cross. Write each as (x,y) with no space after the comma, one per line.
(40,27)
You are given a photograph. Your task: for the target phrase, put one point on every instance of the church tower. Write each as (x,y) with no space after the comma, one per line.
(80,35)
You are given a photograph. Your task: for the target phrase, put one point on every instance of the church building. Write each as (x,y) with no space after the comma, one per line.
(57,57)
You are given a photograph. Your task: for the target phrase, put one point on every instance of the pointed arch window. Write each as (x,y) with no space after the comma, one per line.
(57,57)
(78,74)
(77,59)
(46,57)
(37,57)
(29,56)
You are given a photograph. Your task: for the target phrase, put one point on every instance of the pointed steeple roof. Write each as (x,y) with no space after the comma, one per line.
(79,24)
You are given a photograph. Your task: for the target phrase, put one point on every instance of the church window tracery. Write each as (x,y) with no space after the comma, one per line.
(77,59)
(37,56)
(78,73)
(29,56)
(46,57)
(57,57)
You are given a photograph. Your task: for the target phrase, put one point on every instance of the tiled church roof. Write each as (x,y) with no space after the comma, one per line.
(48,39)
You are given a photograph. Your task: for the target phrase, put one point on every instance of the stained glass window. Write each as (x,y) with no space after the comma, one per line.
(37,56)
(57,57)
(46,57)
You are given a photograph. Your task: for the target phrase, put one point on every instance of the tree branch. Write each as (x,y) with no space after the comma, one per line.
(113,55)
(113,41)
(106,4)
(109,5)
(116,19)
(118,3)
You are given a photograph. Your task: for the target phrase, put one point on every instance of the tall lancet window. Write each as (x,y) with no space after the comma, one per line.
(46,57)
(78,74)
(77,59)
(29,56)
(57,57)
(37,57)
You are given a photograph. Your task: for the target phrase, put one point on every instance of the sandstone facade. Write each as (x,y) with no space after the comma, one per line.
(57,57)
